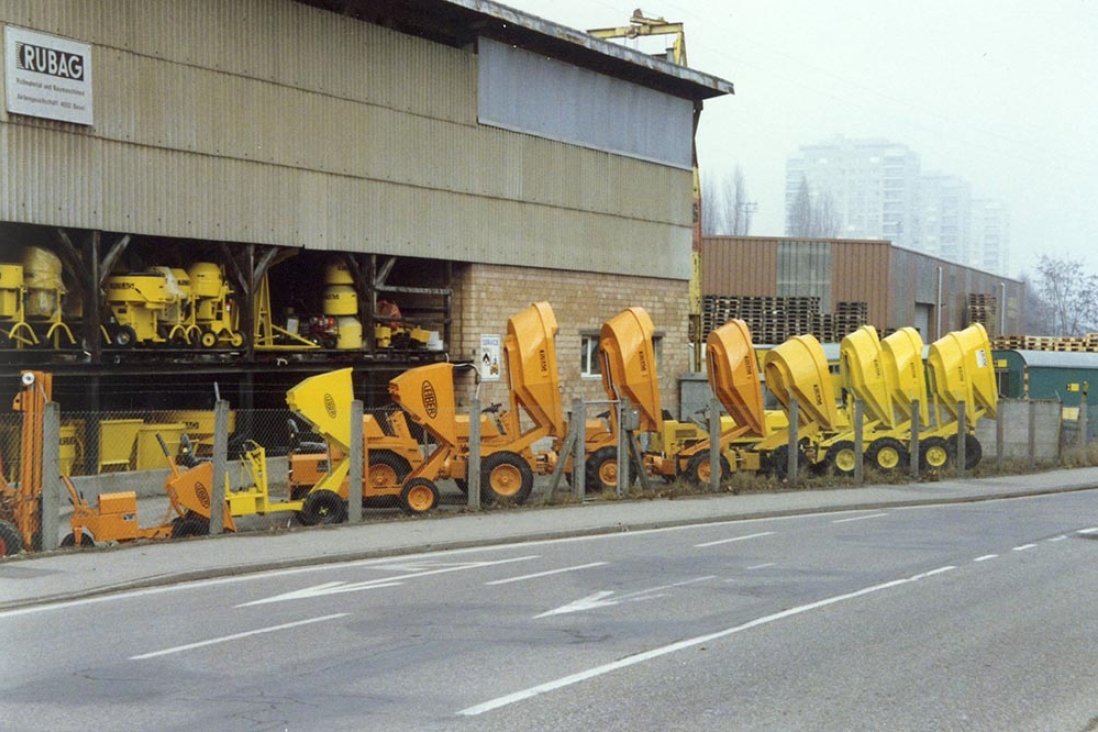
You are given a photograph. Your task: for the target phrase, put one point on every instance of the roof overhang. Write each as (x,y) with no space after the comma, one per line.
(460,22)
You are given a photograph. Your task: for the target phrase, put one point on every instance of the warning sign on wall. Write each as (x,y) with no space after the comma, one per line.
(488,360)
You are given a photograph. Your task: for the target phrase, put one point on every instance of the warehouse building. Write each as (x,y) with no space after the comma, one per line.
(403,174)
(829,287)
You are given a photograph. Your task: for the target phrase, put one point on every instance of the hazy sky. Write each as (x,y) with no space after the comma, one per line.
(1003,93)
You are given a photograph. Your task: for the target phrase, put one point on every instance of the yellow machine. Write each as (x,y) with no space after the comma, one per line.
(155,306)
(214,314)
(959,369)
(32,301)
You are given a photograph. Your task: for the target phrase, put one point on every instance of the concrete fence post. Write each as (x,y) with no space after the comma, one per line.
(220,466)
(51,476)
(579,449)
(793,461)
(859,440)
(715,445)
(472,468)
(623,445)
(1083,418)
(916,428)
(962,432)
(357,471)
(1032,435)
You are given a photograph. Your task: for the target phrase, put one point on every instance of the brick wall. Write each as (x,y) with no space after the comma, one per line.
(485,296)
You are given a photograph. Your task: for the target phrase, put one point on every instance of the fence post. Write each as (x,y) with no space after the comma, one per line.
(220,466)
(859,440)
(1083,418)
(916,428)
(1032,446)
(357,472)
(50,518)
(579,449)
(793,458)
(623,445)
(472,467)
(962,432)
(1000,439)
(715,469)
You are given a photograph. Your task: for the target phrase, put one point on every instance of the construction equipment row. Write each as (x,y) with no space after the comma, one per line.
(191,307)
(527,438)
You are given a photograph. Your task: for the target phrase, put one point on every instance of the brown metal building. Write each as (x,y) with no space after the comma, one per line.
(891,287)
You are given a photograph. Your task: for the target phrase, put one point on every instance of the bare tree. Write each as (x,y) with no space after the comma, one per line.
(1070,295)
(725,208)
(813,216)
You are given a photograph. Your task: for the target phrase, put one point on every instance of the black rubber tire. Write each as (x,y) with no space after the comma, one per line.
(505,476)
(124,337)
(778,464)
(887,454)
(414,492)
(387,470)
(974,451)
(190,526)
(935,454)
(602,470)
(323,507)
(86,539)
(841,458)
(11,542)
(462,485)
(208,339)
(698,469)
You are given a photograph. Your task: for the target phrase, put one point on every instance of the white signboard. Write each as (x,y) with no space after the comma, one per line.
(489,358)
(48,76)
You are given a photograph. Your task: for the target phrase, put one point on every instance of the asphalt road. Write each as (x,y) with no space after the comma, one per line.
(974,617)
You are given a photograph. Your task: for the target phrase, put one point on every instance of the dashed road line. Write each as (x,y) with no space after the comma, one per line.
(859,518)
(734,538)
(1023,547)
(546,573)
(985,558)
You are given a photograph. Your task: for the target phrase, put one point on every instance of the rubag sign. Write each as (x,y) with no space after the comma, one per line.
(47,76)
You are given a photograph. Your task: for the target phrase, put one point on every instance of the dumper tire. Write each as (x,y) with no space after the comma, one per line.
(11,542)
(185,528)
(387,470)
(934,454)
(323,507)
(505,476)
(842,458)
(602,470)
(779,462)
(698,469)
(887,454)
(974,451)
(69,540)
(208,339)
(419,495)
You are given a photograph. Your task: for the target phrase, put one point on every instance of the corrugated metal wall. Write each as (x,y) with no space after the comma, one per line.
(270,121)
(891,281)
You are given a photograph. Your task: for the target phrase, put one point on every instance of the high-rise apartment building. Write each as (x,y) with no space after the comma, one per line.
(877,190)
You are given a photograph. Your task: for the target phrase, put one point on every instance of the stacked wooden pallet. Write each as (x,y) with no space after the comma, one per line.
(984,309)
(1063,344)
(776,319)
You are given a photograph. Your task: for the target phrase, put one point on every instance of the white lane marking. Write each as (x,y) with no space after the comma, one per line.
(985,557)
(1023,547)
(859,518)
(547,573)
(761,566)
(931,573)
(601,599)
(1092,530)
(734,538)
(597,671)
(334,588)
(236,636)
(1057,538)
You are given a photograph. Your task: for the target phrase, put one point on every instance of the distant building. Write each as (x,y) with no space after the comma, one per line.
(879,191)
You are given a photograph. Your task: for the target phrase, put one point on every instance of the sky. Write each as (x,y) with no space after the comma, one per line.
(1003,93)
